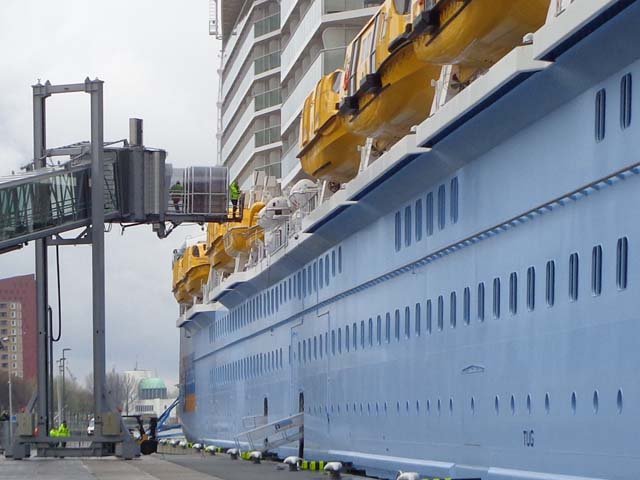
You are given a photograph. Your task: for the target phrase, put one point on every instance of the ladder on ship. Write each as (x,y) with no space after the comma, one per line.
(273,435)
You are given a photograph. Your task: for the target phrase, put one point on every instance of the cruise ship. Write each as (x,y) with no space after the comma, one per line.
(433,262)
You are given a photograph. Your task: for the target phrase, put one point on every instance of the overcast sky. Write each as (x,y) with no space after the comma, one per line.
(158,63)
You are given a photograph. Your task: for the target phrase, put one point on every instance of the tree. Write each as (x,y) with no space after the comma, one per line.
(121,389)
(21,390)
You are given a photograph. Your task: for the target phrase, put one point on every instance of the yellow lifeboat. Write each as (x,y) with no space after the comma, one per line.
(219,259)
(386,89)
(472,33)
(328,150)
(190,272)
(240,237)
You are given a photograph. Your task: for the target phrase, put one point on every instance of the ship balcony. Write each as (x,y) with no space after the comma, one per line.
(266,62)
(266,25)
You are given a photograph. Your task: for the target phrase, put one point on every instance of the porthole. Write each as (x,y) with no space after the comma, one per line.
(385,408)
(619,401)
(439,407)
(473,405)
(574,403)
(418,407)
(428,407)
(529,404)
(450,406)
(547,403)
(596,402)
(406,406)
(377,408)
(512,405)
(496,405)
(398,407)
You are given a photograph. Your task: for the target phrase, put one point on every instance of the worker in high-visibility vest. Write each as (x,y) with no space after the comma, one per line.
(53,433)
(234,195)
(63,431)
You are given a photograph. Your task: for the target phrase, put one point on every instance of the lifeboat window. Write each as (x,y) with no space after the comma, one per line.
(573,276)
(551,283)
(440,312)
(496,297)
(600,117)
(453,309)
(402,6)
(454,200)
(596,270)
(625,101)
(418,226)
(428,314)
(513,293)
(429,209)
(374,44)
(398,231)
(195,252)
(387,330)
(367,42)
(353,67)
(326,269)
(622,252)
(407,226)
(466,306)
(441,207)
(407,322)
(321,272)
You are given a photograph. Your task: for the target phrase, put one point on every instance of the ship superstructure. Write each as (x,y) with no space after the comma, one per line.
(463,304)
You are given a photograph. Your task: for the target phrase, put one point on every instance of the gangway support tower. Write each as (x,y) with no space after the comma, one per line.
(136,185)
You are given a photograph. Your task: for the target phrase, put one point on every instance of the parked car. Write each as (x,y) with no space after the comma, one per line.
(91,427)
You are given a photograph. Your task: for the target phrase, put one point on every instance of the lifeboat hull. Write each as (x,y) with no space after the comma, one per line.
(333,153)
(477,33)
(196,277)
(403,101)
(235,241)
(220,259)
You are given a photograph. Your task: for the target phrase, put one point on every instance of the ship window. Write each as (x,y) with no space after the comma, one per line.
(625,101)
(573,277)
(428,314)
(397,324)
(362,333)
(333,342)
(481,301)
(387,331)
(354,331)
(596,270)
(289,354)
(531,288)
(320,345)
(407,226)
(407,322)
(290,288)
(333,263)
(453,309)
(379,330)
(304,282)
(496,297)
(321,273)
(601,103)
(339,259)
(429,209)
(304,351)
(309,280)
(326,343)
(440,312)
(418,220)
(513,293)
(326,269)
(315,348)
(454,200)
(550,292)
(315,276)
(466,306)
(418,320)
(370,332)
(340,340)
(622,250)
(299,352)
(441,207)
(347,338)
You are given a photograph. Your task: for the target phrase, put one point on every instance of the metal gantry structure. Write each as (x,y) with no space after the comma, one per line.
(128,184)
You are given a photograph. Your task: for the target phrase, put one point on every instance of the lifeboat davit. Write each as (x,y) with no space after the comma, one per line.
(190,272)
(241,237)
(472,33)
(386,89)
(328,150)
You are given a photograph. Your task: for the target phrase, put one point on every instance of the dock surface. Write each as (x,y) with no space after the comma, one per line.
(153,467)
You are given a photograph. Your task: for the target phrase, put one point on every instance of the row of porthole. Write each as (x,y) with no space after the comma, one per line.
(439,407)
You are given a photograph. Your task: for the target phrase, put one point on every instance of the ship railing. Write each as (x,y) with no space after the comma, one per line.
(274,434)
(279,237)
(254,421)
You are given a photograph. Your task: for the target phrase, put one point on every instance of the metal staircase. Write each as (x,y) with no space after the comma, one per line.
(273,435)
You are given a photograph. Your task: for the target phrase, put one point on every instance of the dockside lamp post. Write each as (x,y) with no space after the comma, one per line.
(2,347)
(62,368)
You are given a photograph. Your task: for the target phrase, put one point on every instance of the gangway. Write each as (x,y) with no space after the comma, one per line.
(274,434)
(116,182)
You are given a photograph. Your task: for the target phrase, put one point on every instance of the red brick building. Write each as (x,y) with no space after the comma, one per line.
(18,313)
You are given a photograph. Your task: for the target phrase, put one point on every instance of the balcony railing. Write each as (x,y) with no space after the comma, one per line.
(267,62)
(267,136)
(266,25)
(267,99)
